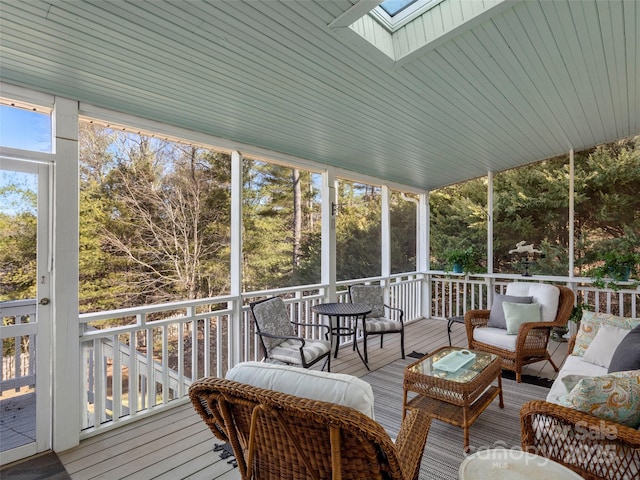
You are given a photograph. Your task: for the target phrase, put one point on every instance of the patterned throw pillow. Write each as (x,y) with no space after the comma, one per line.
(273,318)
(590,324)
(371,295)
(614,397)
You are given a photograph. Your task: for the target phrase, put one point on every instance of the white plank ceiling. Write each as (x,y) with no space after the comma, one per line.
(499,84)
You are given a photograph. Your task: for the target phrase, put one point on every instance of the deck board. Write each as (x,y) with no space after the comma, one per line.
(176,444)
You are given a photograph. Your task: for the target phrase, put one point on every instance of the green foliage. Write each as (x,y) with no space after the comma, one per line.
(466,258)
(576,312)
(458,220)
(155,221)
(618,266)
(18,237)
(275,252)
(358,231)
(531,204)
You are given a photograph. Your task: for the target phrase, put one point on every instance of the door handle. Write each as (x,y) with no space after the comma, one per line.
(44,301)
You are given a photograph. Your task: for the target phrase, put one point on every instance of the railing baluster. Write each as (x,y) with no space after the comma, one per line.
(98,383)
(116,382)
(149,371)
(165,364)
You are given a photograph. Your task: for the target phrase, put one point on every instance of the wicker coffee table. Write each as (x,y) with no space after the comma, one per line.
(455,397)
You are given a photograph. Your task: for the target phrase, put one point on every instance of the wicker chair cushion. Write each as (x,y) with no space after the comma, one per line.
(289,351)
(273,318)
(497,337)
(614,397)
(496,314)
(377,325)
(590,324)
(548,296)
(338,388)
(372,295)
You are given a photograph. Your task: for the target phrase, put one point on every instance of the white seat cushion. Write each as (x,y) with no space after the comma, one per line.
(377,325)
(548,296)
(289,351)
(498,337)
(573,365)
(338,388)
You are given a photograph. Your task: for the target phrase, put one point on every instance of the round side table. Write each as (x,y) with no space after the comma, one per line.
(504,464)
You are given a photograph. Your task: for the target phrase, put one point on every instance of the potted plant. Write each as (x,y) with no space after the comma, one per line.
(617,267)
(562,334)
(461,260)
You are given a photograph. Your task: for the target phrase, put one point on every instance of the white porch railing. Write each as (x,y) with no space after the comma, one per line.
(162,348)
(454,294)
(18,336)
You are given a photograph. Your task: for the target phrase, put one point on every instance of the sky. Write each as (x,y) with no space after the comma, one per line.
(25,129)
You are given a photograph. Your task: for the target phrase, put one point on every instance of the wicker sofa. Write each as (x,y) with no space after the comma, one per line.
(594,447)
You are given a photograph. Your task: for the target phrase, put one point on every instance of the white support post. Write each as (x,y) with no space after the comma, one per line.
(423,252)
(490,222)
(66,351)
(385,232)
(424,228)
(571,214)
(235,323)
(329,212)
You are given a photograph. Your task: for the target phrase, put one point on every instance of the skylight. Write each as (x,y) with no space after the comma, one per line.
(393,7)
(393,14)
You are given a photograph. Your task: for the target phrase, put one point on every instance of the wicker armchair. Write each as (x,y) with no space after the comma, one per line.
(532,339)
(379,321)
(280,436)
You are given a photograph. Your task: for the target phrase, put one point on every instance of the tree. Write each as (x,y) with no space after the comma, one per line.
(458,220)
(18,238)
(160,212)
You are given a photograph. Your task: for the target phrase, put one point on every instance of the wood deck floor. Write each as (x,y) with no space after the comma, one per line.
(176,444)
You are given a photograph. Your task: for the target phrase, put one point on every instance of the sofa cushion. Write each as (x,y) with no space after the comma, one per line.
(496,314)
(627,355)
(498,337)
(614,397)
(338,388)
(516,314)
(572,366)
(590,323)
(548,296)
(604,345)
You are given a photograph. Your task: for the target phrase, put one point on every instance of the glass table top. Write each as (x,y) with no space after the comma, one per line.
(443,363)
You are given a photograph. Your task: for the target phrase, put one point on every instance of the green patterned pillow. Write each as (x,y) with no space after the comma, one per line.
(614,397)
(590,324)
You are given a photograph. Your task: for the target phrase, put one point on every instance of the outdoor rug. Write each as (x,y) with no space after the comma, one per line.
(494,428)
